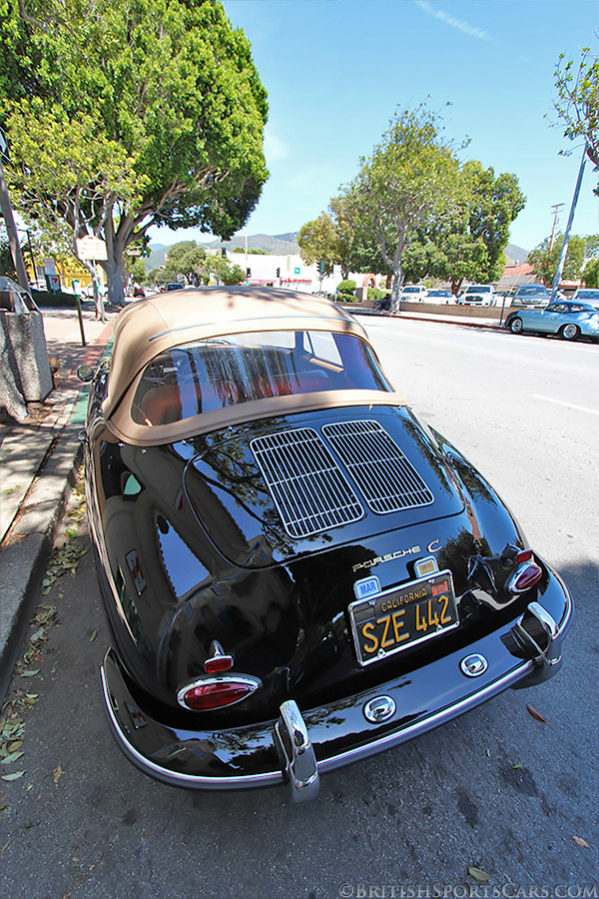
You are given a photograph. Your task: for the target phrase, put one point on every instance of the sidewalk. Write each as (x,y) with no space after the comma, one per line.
(38,459)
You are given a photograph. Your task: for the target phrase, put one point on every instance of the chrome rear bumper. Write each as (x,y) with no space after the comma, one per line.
(297,748)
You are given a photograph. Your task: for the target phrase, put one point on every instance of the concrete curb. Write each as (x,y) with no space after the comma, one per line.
(435,319)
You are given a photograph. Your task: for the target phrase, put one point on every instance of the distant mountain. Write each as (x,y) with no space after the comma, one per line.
(275,245)
(515,255)
(157,257)
(282,245)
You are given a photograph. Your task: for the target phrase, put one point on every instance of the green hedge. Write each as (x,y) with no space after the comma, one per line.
(346,287)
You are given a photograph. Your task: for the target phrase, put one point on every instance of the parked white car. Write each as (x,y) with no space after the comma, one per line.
(413,293)
(477,295)
(587,295)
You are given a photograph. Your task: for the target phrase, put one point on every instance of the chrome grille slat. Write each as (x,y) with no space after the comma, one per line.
(386,478)
(308,488)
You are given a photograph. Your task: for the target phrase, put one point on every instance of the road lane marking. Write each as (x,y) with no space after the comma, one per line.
(550,399)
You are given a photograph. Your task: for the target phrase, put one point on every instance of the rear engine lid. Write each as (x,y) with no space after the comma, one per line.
(272,490)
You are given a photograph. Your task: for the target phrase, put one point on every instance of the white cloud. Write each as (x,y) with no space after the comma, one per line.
(465,27)
(274,147)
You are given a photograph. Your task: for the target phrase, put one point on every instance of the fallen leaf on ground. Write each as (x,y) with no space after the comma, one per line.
(580,842)
(12,757)
(57,773)
(478,874)
(13,776)
(93,636)
(536,715)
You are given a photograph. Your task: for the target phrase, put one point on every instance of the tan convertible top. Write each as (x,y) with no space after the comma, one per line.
(149,327)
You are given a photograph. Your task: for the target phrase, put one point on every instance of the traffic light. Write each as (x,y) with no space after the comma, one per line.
(248,272)
(278,273)
(223,253)
(321,267)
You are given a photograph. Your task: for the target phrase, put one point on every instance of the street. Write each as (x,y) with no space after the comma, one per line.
(498,789)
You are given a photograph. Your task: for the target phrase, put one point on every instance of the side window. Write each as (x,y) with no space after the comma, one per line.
(552,307)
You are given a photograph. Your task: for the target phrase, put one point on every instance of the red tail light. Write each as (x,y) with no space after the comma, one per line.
(526,575)
(208,693)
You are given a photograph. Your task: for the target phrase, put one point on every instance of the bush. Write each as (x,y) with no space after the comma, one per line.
(346,287)
(374,294)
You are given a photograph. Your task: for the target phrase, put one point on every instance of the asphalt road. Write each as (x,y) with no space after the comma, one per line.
(495,789)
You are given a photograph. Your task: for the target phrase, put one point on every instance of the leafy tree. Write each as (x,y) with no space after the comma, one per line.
(411,176)
(544,259)
(317,240)
(130,114)
(470,242)
(346,217)
(188,259)
(137,270)
(590,274)
(223,270)
(6,264)
(578,100)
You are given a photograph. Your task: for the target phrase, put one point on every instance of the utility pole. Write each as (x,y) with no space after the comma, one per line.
(556,208)
(562,257)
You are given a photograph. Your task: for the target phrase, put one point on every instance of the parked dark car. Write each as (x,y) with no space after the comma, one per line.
(297,573)
(533,295)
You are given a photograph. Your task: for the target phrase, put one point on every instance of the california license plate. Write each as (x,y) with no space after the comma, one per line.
(398,618)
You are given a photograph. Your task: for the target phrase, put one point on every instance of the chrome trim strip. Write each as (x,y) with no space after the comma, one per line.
(270,778)
(414,730)
(175,777)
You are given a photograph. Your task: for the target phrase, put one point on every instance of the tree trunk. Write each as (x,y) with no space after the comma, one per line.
(396,286)
(113,266)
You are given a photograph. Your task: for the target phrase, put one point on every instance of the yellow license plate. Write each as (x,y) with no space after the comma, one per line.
(398,618)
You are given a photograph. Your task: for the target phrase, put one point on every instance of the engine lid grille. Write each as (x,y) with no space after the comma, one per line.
(308,488)
(385,477)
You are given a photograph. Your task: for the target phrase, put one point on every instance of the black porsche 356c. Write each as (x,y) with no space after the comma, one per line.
(297,573)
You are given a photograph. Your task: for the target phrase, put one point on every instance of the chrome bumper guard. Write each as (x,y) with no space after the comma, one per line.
(533,641)
(539,639)
(296,753)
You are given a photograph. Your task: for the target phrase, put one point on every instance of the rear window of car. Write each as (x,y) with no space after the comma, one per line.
(218,372)
(532,291)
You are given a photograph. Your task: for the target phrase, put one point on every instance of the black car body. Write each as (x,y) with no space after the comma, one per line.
(297,573)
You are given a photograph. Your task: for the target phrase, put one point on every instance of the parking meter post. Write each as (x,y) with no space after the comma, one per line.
(78,303)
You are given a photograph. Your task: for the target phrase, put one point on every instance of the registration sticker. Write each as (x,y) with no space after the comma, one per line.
(391,621)
(367,587)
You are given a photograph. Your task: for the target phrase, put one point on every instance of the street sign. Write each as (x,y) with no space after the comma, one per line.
(91,248)
(297,271)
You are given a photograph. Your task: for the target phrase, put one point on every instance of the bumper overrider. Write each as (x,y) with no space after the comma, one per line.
(299,746)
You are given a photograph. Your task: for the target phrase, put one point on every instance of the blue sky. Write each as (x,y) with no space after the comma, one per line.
(336,70)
